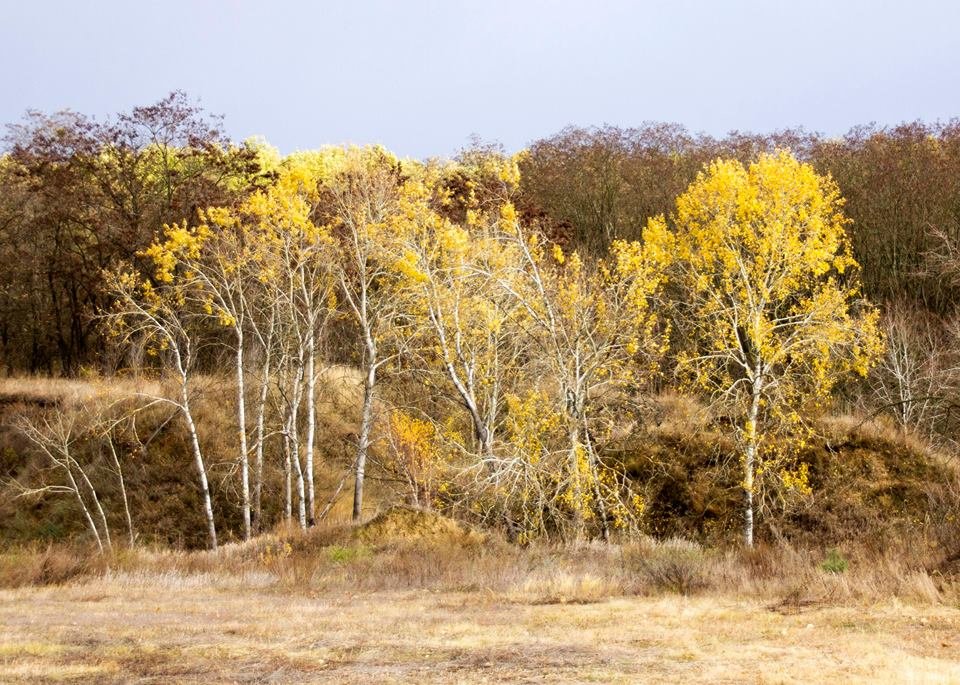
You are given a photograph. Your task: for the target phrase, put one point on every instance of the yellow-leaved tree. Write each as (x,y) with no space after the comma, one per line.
(770,316)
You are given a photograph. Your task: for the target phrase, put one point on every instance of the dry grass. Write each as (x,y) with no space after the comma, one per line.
(405,549)
(45,391)
(409,598)
(168,628)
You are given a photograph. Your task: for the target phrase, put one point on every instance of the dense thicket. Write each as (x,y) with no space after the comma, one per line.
(76,196)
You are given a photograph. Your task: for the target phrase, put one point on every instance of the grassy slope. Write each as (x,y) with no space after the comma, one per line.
(869,481)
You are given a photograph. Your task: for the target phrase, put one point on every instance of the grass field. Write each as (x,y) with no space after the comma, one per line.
(201,628)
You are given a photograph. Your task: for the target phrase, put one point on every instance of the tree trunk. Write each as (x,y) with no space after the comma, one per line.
(287,473)
(363,444)
(123,491)
(83,507)
(294,429)
(593,462)
(258,457)
(311,425)
(576,482)
(242,435)
(749,462)
(96,502)
(201,468)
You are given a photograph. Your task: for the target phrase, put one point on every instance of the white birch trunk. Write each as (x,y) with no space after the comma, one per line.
(198,460)
(311,423)
(96,502)
(258,456)
(363,444)
(749,461)
(242,436)
(123,491)
(83,507)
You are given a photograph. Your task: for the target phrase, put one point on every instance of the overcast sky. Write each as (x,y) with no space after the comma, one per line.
(421,77)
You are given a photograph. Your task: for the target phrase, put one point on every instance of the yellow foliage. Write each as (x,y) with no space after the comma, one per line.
(771,307)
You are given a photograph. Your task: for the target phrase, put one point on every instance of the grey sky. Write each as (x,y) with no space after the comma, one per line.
(421,76)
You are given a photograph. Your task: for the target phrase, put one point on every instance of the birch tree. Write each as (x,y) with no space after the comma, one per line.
(211,265)
(59,437)
(597,338)
(770,309)
(158,319)
(360,205)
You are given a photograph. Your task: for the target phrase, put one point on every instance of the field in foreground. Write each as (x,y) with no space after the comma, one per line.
(173,628)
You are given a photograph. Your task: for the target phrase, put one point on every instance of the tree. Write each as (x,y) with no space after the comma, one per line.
(90,195)
(159,319)
(770,314)
(917,377)
(58,438)
(295,265)
(360,206)
(596,339)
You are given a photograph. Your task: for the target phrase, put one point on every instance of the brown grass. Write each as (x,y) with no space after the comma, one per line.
(410,597)
(167,627)
(405,549)
(45,391)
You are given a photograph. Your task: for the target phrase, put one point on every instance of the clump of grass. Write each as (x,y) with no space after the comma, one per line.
(835,562)
(49,565)
(564,587)
(344,555)
(673,565)
(406,524)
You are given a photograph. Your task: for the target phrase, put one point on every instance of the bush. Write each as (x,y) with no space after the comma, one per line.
(834,563)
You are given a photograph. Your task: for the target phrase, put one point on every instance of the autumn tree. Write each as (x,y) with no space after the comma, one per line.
(771,312)
(158,319)
(296,265)
(597,339)
(465,342)
(359,203)
(89,195)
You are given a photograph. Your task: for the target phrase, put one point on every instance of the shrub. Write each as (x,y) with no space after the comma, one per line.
(344,555)
(835,562)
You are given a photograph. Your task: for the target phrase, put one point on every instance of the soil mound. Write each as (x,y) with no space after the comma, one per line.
(408,524)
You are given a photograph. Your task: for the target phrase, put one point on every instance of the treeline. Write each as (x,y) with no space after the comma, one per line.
(511,317)
(901,185)
(77,195)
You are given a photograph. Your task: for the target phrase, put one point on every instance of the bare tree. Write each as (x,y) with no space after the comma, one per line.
(57,437)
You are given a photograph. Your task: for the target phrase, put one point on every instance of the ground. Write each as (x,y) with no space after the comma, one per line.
(197,629)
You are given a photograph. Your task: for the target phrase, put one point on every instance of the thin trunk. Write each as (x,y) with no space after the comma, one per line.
(363,444)
(258,467)
(123,491)
(294,427)
(749,461)
(201,469)
(83,507)
(311,424)
(242,435)
(576,483)
(287,473)
(96,502)
(333,498)
(595,479)
(301,495)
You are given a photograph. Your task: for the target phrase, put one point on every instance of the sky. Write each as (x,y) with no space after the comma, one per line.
(422,76)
